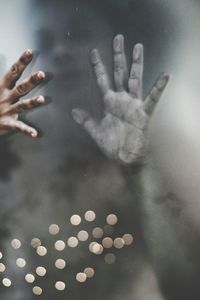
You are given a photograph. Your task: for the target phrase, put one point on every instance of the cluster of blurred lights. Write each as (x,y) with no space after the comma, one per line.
(105,242)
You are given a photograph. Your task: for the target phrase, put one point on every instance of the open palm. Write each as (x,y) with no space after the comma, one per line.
(121,132)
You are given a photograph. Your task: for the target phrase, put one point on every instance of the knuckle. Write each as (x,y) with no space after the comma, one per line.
(118,68)
(154,94)
(134,83)
(133,75)
(24,60)
(137,61)
(33,102)
(14,70)
(9,123)
(20,127)
(118,51)
(21,89)
(99,73)
(34,79)
(18,109)
(118,58)
(24,104)
(21,105)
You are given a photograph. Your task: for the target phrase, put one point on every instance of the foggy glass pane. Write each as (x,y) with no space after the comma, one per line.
(104,202)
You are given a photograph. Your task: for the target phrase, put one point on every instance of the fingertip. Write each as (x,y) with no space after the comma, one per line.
(139,45)
(118,43)
(27,56)
(79,116)
(40,99)
(33,133)
(138,51)
(163,80)
(119,36)
(94,56)
(75,116)
(167,76)
(40,75)
(94,51)
(28,52)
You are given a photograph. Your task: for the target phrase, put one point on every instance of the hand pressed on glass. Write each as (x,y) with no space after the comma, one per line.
(121,132)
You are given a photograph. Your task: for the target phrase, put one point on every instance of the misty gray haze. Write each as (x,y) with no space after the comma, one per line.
(64,172)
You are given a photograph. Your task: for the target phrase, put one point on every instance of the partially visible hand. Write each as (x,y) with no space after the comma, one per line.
(10,94)
(120,134)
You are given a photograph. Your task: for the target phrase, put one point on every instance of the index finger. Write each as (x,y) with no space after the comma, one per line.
(156,92)
(100,72)
(10,78)
(136,73)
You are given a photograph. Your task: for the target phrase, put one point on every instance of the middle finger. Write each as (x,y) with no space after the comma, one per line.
(26,86)
(120,65)
(17,69)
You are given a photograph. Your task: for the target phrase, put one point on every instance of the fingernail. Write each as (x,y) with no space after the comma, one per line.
(137,52)
(162,81)
(28,53)
(27,56)
(166,76)
(40,75)
(118,43)
(34,133)
(40,99)
(94,56)
(77,116)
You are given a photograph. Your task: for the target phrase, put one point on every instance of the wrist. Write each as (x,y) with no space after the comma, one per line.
(134,168)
